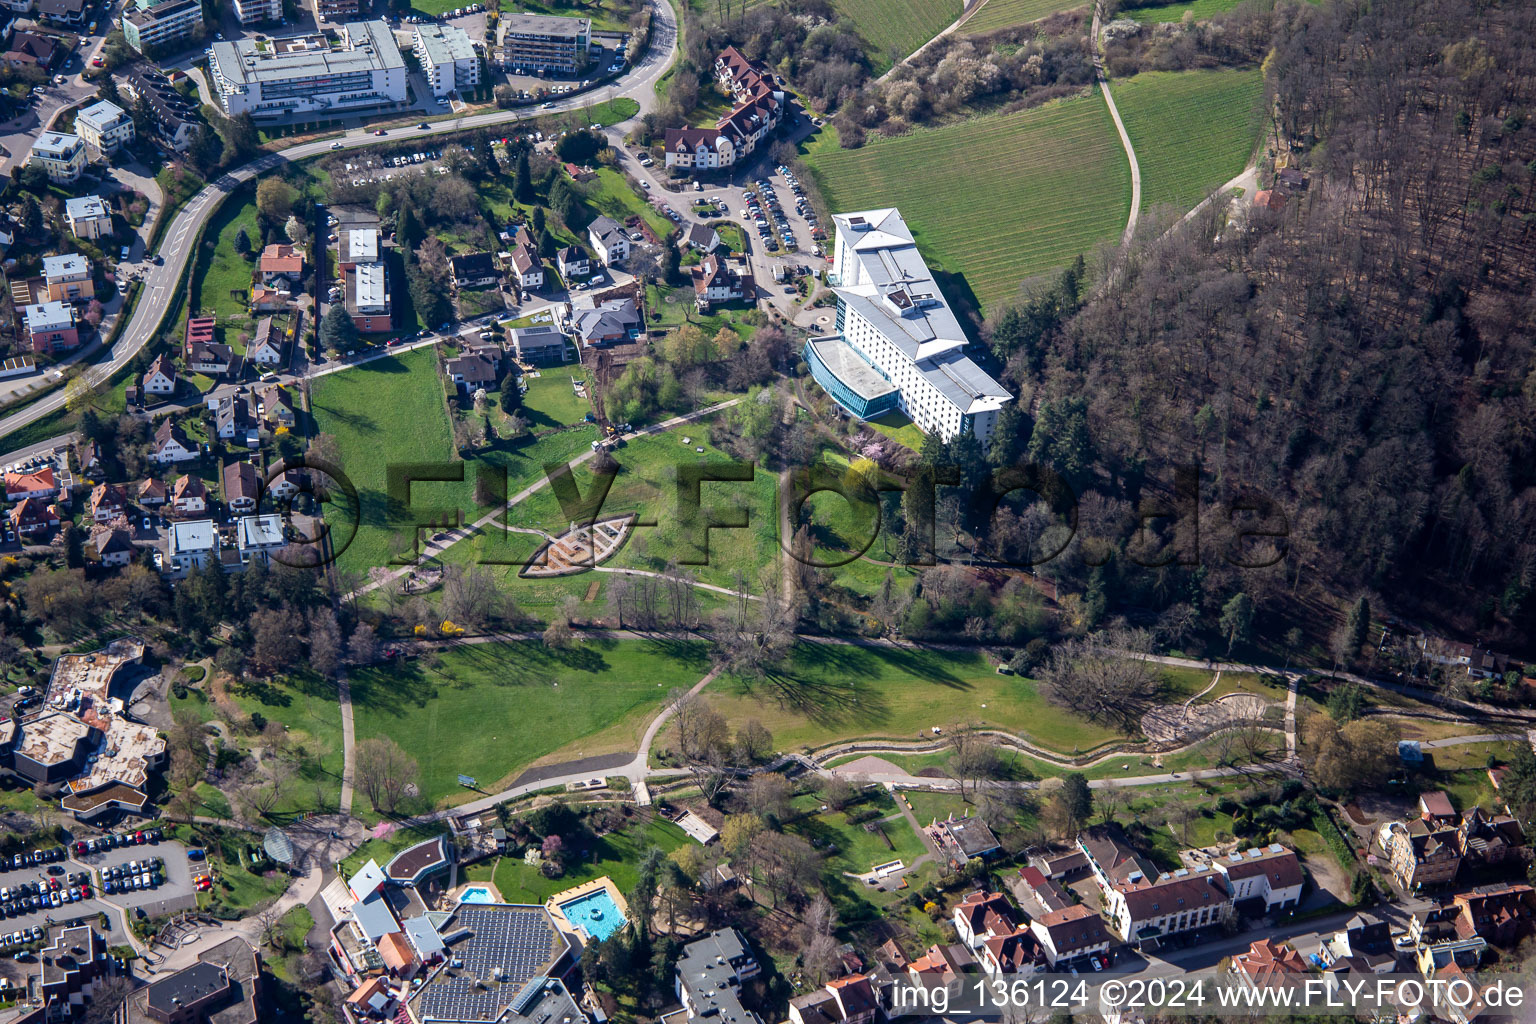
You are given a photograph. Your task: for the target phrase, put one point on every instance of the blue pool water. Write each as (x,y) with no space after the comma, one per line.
(595,913)
(476,894)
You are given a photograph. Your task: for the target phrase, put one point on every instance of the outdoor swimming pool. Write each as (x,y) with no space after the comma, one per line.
(594,913)
(476,894)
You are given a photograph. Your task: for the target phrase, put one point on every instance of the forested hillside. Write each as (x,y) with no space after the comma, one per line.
(1363,356)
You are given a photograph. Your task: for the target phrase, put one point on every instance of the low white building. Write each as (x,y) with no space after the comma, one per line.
(105,126)
(89,217)
(259,536)
(193,544)
(608,240)
(448,58)
(59,154)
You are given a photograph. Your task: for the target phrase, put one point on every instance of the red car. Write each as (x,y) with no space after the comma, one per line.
(97,62)
(138,837)
(204,884)
(80,848)
(85,892)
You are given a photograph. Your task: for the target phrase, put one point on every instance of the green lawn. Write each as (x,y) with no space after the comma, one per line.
(552,401)
(606,15)
(385,847)
(491,710)
(895,28)
(829,692)
(1023,192)
(221,280)
(617,855)
(1192,130)
(391,412)
(855,848)
(611,194)
(1175,11)
(896,426)
(996,14)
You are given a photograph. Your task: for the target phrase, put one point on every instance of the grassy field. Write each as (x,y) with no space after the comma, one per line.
(829,692)
(1192,130)
(996,14)
(350,406)
(617,855)
(611,194)
(854,847)
(221,280)
(896,426)
(1023,192)
(491,710)
(552,401)
(895,28)
(1175,11)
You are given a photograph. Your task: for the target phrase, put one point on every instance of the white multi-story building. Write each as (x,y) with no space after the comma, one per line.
(154,25)
(447,57)
(88,217)
(105,125)
(303,75)
(251,11)
(898,344)
(61,156)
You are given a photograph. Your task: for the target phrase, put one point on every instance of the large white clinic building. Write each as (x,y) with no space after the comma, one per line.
(306,76)
(898,344)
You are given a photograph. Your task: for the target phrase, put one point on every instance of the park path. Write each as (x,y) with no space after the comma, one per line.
(965,16)
(348,742)
(452,537)
(1114,112)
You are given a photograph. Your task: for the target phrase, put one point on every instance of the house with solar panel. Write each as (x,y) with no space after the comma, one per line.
(898,345)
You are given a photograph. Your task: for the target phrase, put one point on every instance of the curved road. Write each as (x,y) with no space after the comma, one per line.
(1125,139)
(176,248)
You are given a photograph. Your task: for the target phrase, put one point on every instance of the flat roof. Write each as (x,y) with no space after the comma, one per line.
(545,25)
(261,531)
(197,535)
(100,116)
(362,245)
(56,144)
(501,948)
(851,368)
(48,316)
(86,206)
(367,46)
(445,44)
(51,738)
(65,263)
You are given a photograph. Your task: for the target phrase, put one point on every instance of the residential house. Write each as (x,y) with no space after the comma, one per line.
(1420,853)
(281,266)
(1292,178)
(527,268)
(108,501)
(702,149)
(31,516)
(709,976)
(982,915)
(1502,915)
(539,43)
(193,545)
(189,495)
(608,240)
(540,346)
(105,126)
(268,300)
(758,111)
(287,485)
(1477,662)
(1272,877)
(574,262)
(722,279)
(267,346)
(88,457)
(242,487)
(60,155)
(212,358)
(1144,906)
(941,967)
(1062,865)
(702,237)
(1365,945)
(366,291)
(233,421)
(68,278)
(613,321)
(850,1000)
(199,331)
(1269,199)
(471,372)
(1037,894)
(1488,840)
(1014,953)
(1461,998)
(1269,964)
(113,547)
(151,493)
(31,50)
(1070,932)
(277,407)
(62,12)
(39,484)
(160,378)
(258,537)
(88,217)
(174,116)
(473,270)
(171,444)
(447,57)
(50,327)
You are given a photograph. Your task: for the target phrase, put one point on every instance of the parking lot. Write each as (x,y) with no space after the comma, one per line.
(174,893)
(86,909)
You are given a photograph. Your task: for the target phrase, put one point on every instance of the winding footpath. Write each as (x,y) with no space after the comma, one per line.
(1125,139)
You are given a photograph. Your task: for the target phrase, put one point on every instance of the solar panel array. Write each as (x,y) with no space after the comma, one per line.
(506,949)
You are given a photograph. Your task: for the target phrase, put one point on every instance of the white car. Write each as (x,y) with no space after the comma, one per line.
(645,185)
(336,145)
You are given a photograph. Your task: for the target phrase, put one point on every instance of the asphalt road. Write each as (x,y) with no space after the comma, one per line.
(176,249)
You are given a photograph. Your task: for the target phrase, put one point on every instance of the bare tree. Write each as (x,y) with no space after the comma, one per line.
(384,772)
(471,596)
(973,756)
(1103,676)
(363,645)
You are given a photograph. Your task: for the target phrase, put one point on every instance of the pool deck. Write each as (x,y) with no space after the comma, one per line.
(458,894)
(584,889)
